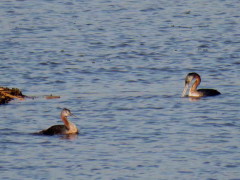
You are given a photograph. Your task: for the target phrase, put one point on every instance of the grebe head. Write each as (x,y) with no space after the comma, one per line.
(66,112)
(189,78)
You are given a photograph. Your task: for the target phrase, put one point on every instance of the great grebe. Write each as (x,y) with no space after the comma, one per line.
(67,128)
(194,92)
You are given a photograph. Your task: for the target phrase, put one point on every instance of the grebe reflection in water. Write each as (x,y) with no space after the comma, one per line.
(194,92)
(67,128)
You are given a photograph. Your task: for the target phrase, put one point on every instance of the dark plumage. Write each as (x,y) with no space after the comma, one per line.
(209,92)
(54,130)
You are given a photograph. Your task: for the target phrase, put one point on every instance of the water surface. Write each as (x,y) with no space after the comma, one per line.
(120,67)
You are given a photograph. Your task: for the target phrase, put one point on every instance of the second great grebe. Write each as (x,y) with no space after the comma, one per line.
(194,92)
(67,128)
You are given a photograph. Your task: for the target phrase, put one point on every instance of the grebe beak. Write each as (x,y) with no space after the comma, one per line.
(73,115)
(185,90)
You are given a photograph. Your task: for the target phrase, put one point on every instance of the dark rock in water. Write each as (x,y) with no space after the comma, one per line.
(8,94)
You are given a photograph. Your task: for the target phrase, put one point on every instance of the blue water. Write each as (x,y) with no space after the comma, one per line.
(120,67)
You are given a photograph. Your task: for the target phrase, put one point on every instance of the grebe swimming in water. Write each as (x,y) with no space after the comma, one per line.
(194,92)
(67,128)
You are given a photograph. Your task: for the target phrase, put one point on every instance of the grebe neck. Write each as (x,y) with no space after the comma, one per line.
(196,83)
(72,128)
(65,121)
